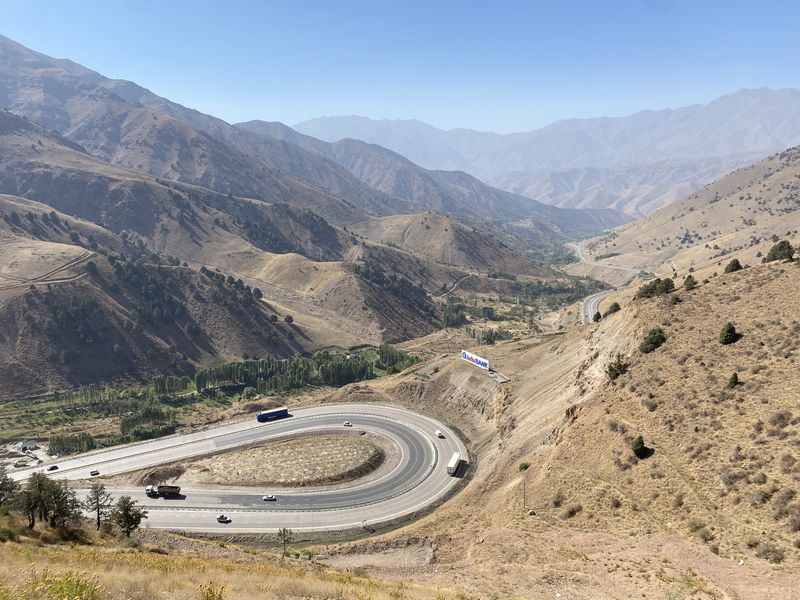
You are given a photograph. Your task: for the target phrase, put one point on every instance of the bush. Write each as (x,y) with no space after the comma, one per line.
(733,381)
(770,552)
(733,266)
(689,283)
(615,307)
(654,339)
(524,466)
(781,251)
(640,450)
(617,367)
(571,511)
(597,316)
(7,535)
(657,287)
(728,334)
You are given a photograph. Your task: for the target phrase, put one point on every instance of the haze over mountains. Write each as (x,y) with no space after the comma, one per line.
(636,163)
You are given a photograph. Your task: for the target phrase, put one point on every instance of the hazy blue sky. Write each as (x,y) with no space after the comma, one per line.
(495,65)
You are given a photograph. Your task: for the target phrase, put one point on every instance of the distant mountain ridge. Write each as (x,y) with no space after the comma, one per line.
(624,158)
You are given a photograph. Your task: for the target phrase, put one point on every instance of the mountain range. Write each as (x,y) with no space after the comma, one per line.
(636,163)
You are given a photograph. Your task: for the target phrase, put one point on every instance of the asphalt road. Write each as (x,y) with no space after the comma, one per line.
(418,479)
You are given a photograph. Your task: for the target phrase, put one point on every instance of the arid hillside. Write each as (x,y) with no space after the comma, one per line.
(443,240)
(559,497)
(739,215)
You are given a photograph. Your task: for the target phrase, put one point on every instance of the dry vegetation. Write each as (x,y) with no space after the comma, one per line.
(315,460)
(39,566)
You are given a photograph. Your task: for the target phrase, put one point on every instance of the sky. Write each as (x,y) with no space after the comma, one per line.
(490,65)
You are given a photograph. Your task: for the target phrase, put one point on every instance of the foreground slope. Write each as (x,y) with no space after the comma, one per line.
(558,497)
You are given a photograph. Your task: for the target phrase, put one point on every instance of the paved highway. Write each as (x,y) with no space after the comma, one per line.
(418,479)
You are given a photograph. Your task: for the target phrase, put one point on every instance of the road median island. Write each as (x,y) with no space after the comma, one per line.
(308,460)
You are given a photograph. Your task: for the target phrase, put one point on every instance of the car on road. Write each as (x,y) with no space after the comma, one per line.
(223,519)
(269,498)
(94,473)
(52,468)
(439,434)
(347,424)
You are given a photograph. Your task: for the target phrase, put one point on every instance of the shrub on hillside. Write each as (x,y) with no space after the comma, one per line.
(640,450)
(615,307)
(728,334)
(653,339)
(733,266)
(617,367)
(689,283)
(657,287)
(781,251)
(597,316)
(733,381)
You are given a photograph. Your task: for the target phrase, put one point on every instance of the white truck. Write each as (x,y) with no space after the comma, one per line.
(455,462)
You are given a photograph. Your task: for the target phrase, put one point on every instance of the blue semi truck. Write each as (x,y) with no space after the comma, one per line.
(272,414)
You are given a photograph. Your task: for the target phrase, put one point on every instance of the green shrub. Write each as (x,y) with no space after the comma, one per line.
(617,367)
(733,381)
(524,466)
(7,535)
(689,283)
(597,316)
(615,307)
(653,339)
(728,334)
(657,287)
(781,251)
(733,266)
(640,450)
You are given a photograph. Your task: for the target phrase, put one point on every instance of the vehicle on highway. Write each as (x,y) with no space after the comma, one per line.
(439,433)
(154,491)
(347,424)
(94,473)
(52,468)
(272,414)
(223,519)
(455,462)
(269,498)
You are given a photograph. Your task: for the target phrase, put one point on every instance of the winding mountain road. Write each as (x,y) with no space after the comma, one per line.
(417,480)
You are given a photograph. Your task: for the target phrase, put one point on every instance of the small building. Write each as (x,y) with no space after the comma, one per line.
(26,446)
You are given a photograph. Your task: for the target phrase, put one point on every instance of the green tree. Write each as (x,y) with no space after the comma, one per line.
(728,334)
(689,283)
(46,500)
(8,488)
(98,502)
(285,537)
(781,251)
(615,307)
(597,316)
(733,266)
(128,515)
(653,339)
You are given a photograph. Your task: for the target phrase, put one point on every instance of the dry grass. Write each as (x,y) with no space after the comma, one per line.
(112,570)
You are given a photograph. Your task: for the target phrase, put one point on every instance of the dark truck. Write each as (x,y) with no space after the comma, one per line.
(272,414)
(166,491)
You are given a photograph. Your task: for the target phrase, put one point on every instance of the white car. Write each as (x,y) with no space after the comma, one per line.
(347,424)
(269,498)
(223,519)
(439,433)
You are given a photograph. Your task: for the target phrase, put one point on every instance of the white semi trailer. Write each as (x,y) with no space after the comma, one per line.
(455,462)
